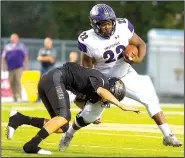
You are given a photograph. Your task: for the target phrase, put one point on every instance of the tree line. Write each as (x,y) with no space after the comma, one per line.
(66,19)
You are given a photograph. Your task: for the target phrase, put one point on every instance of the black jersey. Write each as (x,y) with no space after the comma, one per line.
(79,79)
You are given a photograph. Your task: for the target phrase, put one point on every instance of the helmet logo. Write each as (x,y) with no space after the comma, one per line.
(117,83)
(94,11)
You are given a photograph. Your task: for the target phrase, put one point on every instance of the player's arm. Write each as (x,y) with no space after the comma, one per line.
(140,44)
(41,58)
(106,95)
(86,61)
(3,61)
(45,59)
(87,57)
(26,59)
(26,56)
(3,64)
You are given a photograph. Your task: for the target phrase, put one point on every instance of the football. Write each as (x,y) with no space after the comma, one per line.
(130,52)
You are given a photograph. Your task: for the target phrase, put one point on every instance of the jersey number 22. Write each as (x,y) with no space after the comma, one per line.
(110,56)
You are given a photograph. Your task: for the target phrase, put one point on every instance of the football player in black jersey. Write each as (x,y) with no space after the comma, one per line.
(83,82)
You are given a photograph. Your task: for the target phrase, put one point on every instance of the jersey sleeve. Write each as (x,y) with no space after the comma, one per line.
(24,49)
(130,28)
(126,26)
(83,45)
(97,82)
(4,52)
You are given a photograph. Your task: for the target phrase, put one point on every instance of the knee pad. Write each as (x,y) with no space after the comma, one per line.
(79,121)
(65,127)
(92,112)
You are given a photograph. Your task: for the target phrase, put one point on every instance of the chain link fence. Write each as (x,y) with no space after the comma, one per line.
(63,47)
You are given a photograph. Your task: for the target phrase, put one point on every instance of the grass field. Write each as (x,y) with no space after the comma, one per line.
(122,134)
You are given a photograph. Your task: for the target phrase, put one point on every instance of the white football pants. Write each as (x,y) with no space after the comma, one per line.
(137,89)
(92,112)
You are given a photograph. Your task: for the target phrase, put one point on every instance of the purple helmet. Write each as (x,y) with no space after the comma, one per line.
(101,13)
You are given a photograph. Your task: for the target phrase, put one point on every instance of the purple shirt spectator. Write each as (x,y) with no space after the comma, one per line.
(14,55)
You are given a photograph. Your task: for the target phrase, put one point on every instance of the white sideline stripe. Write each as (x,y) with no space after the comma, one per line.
(77,109)
(129,135)
(117,134)
(106,147)
(171,105)
(177,129)
(110,147)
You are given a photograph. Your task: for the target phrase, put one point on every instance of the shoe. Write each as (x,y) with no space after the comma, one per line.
(171,140)
(13,123)
(31,149)
(65,141)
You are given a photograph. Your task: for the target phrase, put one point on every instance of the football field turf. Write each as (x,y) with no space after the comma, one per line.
(120,134)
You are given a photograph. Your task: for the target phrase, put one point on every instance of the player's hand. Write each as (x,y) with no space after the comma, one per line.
(39,58)
(130,57)
(128,108)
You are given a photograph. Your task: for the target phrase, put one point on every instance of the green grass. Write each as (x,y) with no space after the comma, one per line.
(98,142)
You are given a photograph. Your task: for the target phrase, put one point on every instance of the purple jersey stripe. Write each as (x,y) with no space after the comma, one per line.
(130,26)
(82,47)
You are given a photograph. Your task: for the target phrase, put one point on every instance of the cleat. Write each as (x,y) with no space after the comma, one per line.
(65,141)
(171,140)
(9,129)
(9,132)
(37,151)
(44,152)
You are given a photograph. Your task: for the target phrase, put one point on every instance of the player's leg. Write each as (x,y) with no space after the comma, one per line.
(11,79)
(139,92)
(59,101)
(18,74)
(89,114)
(17,119)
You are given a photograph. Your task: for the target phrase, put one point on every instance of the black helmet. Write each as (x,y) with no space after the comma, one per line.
(117,88)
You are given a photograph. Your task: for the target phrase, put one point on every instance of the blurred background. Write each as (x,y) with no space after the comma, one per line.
(159,24)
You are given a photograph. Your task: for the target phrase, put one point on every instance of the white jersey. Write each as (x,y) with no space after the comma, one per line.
(108,52)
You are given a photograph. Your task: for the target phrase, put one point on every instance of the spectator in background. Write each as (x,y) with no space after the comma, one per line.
(15,60)
(73,57)
(47,55)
